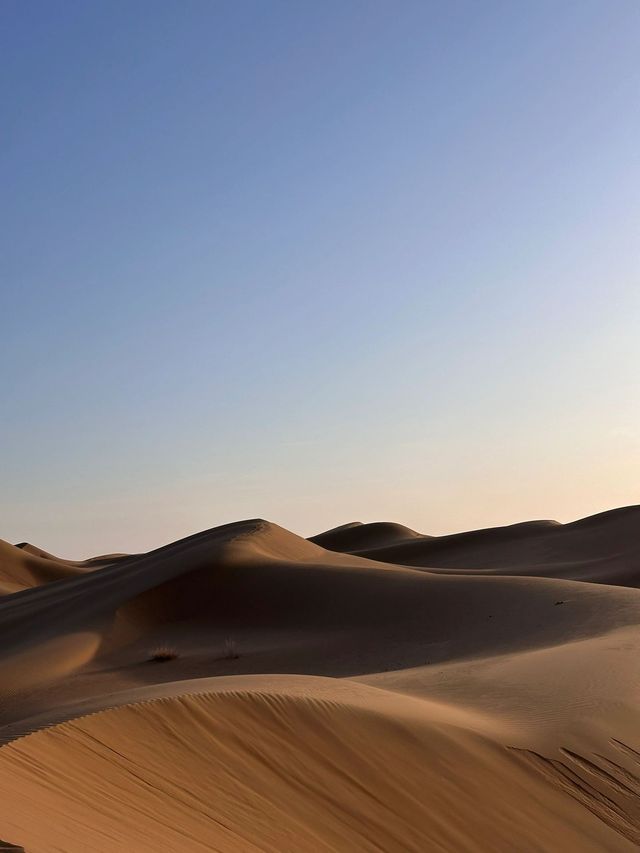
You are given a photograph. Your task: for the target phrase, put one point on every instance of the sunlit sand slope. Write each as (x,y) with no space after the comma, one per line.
(297,769)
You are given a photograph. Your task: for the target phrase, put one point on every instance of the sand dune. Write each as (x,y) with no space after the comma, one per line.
(603,548)
(309,768)
(22,567)
(357,536)
(322,697)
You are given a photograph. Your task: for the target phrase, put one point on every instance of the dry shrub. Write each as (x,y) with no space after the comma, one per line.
(162,654)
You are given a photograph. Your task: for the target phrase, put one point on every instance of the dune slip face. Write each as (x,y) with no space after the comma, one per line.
(372,688)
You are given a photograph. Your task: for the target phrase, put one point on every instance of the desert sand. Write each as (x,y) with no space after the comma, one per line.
(369,689)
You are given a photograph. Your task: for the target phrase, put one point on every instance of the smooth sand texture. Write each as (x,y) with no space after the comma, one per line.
(371,706)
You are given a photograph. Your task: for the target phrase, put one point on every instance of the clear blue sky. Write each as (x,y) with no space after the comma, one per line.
(316,262)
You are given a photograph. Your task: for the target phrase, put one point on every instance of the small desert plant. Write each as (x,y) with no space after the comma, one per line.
(230,649)
(162,654)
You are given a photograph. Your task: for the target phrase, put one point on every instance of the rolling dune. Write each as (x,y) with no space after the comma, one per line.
(603,548)
(320,695)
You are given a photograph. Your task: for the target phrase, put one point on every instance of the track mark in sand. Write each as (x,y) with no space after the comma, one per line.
(630,778)
(599,773)
(625,749)
(615,803)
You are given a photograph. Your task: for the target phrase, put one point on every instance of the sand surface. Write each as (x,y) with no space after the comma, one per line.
(369,689)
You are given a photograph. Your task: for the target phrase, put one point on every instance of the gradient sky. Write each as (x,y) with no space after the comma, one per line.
(316,262)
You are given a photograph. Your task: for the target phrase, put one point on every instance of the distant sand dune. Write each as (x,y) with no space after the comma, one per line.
(357,536)
(22,568)
(603,548)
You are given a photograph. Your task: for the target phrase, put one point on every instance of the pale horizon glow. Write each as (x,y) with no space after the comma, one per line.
(316,263)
